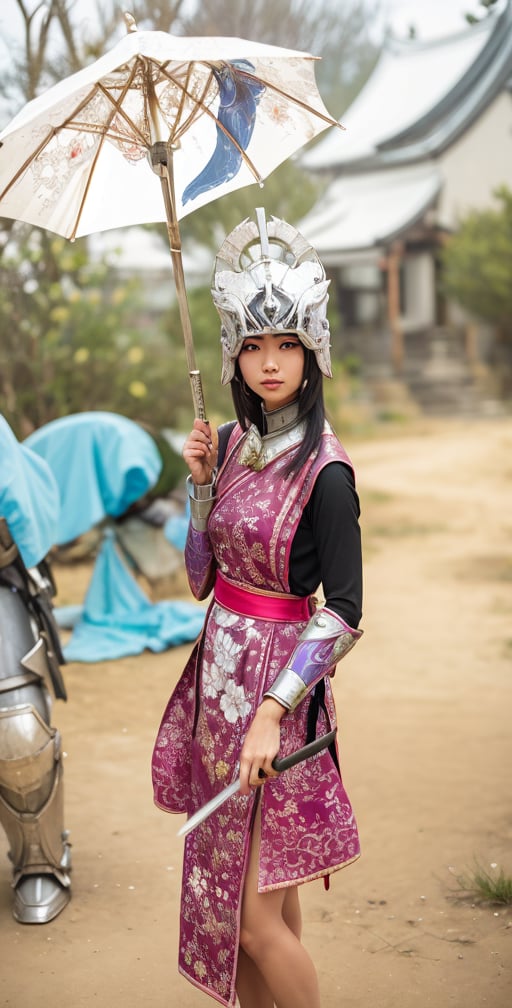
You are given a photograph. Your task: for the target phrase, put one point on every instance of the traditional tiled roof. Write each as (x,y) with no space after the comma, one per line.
(361,211)
(421,97)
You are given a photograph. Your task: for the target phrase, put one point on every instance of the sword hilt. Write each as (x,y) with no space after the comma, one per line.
(317,745)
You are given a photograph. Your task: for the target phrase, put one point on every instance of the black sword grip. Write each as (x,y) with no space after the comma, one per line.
(308,750)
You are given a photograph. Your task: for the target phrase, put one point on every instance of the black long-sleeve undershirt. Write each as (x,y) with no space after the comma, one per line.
(326,549)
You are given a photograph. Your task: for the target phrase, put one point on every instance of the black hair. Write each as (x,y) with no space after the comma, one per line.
(248,408)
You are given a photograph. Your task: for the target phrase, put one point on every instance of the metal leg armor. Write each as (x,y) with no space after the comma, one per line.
(31,785)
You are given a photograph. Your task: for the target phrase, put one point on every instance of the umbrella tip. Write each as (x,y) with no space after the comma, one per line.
(130,23)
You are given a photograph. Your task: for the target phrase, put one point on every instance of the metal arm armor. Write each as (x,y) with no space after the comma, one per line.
(201,499)
(199,559)
(322,644)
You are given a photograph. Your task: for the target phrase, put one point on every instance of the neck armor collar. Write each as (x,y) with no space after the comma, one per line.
(284,430)
(282,418)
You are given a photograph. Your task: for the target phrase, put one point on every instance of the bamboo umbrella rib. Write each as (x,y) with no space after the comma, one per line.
(146,106)
(201,106)
(291,98)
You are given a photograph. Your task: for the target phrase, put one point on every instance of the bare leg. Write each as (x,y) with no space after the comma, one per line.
(250,986)
(291,911)
(268,938)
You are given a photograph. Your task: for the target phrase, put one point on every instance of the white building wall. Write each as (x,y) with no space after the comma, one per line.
(477,163)
(419,292)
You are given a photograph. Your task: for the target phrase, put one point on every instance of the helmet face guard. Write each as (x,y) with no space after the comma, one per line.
(267,278)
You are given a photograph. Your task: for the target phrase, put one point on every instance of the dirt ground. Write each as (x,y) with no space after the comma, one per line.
(425,709)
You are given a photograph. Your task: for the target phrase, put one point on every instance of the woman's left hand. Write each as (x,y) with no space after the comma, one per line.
(261,745)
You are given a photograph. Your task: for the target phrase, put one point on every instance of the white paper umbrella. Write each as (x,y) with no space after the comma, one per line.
(186,119)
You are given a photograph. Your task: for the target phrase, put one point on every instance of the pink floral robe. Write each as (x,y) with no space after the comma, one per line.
(308,827)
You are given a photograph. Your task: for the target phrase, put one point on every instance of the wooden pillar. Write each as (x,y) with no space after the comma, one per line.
(470,343)
(394,260)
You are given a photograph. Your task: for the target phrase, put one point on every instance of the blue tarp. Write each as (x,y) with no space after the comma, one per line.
(102,463)
(176,528)
(66,478)
(117,619)
(29,497)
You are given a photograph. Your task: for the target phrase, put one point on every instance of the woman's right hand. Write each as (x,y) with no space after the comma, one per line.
(200,452)
(261,745)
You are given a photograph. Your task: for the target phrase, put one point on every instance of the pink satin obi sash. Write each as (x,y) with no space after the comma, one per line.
(261,605)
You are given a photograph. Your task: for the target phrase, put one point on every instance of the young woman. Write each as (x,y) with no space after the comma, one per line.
(271,521)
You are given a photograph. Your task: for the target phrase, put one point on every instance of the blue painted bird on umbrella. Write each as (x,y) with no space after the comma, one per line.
(239,95)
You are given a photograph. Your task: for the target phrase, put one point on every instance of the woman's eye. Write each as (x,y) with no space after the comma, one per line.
(250,346)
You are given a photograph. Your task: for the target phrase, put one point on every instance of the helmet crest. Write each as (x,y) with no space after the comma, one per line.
(267,278)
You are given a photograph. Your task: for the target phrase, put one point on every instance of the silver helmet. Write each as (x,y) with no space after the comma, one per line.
(267,278)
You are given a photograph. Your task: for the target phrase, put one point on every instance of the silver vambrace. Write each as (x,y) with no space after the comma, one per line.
(201,499)
(322,644)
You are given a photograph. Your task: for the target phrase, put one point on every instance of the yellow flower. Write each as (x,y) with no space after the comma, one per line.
(81,355)
(135,355)
(118,296)
(137,389)
(59,314)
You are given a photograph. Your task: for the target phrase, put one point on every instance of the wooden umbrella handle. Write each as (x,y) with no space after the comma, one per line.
(161,163)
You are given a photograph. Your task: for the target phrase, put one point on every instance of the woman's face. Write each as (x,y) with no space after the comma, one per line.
(272,365)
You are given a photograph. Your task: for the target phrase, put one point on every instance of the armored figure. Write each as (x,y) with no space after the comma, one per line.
(31,773)
(273,518)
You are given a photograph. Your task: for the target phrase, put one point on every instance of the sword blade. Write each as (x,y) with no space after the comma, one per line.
(211,806)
